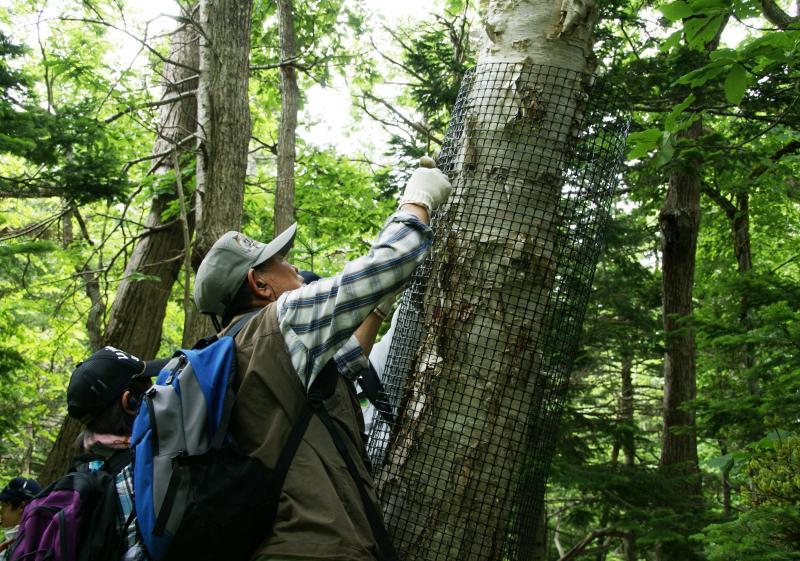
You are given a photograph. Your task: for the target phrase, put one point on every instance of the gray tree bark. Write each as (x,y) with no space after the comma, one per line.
(284,187)
(223,116)
(453,465)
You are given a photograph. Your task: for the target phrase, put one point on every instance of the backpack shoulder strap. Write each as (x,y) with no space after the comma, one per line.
(117,461)
(210,339)
(230,396)
(322,388)
(317,404)
(237,327)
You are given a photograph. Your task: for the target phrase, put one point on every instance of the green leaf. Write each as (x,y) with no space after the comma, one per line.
(735,84)
(709,6)
(642,143)
(700,31)
(722,463)
(677,11)
(671,42)
(671,121)
(665,151)
(702,75)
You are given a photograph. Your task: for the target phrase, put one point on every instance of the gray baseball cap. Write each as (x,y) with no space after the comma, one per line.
(225,266)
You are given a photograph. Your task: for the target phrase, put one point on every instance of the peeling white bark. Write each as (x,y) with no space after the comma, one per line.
(454,462)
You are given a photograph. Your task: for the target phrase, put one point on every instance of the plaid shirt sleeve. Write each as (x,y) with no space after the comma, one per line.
(317,320)
(350,359)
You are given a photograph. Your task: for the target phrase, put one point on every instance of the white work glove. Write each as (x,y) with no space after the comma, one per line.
(428,186)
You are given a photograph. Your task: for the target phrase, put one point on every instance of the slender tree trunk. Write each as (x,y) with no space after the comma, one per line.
(679,220)
(223,116)
(626,415)
(458,453)
(726,482)
(626,409)
(284,187)
(139,306)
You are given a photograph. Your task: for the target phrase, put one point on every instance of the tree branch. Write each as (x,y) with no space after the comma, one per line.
(589,538)
(420,128)
(165,101)
(776,16)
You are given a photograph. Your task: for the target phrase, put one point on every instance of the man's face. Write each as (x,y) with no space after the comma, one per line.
(9,516)
(280,275)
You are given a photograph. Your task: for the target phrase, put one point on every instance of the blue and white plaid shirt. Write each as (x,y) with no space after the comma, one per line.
(318,320)
(134,549)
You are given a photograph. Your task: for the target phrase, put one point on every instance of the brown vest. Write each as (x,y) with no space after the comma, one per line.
(320,514)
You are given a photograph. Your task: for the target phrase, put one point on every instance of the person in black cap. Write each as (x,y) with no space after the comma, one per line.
(13,498)
(104,393)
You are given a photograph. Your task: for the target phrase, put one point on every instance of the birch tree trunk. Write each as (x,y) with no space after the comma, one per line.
(137,313)
(223,116)
(284,187)
(457,455)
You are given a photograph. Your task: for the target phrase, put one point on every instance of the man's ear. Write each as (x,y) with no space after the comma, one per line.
(130,403)
(262,291)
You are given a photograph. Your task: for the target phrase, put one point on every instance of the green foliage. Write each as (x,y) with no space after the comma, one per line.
(770,530)
(339,210)
(68,153)
(760,534)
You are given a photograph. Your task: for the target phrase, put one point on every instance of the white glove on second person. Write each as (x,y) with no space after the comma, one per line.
(428,186)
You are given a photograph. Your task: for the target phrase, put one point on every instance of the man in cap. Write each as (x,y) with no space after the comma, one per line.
(13,498)
(280,352)
(105,392)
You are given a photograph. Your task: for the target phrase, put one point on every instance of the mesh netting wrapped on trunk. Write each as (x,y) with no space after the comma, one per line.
(487,332)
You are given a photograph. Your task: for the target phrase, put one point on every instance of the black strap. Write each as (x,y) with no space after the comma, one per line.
(372,388)
(322,388)
(170,495)
(230,395)
(237,327)
(62,534)
(385,546)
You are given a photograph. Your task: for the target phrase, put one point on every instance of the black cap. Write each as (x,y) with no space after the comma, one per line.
(309,276)
(20,489)
(101,378)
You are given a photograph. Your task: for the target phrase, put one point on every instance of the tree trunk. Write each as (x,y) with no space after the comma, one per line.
(284,187)
(223,116)
(139,307)
(679,221)
(457,457)
(626,409)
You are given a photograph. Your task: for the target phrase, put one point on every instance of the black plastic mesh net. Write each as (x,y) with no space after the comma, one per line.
(488,327)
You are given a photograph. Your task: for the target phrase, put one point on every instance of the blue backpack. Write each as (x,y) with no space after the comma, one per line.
(197,495)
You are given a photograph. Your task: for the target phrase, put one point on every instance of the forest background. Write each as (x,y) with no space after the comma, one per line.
(91,168)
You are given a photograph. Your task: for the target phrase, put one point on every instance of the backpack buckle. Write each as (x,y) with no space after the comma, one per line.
(316,399)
